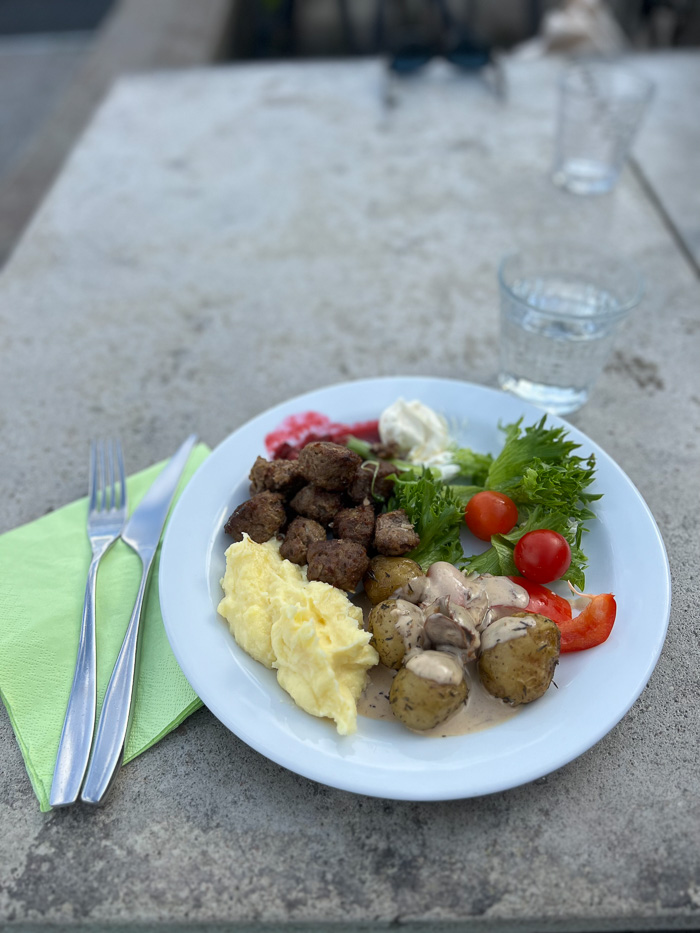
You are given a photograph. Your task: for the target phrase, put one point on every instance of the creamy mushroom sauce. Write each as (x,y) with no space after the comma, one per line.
(478,607)
(482,607)
(439,666)
(408,621)
(481,711)
(504,629)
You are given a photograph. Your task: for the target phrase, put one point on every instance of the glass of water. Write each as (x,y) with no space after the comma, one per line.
(560,309)
(601,105)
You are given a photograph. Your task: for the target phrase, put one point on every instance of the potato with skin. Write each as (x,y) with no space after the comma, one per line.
(385,575)
(421,703)
(521,669)
(388,621)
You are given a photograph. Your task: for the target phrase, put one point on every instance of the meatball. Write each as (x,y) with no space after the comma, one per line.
(276,476)
(260,517)
(301,532)
(394,534)
(370,481)
(355,524)
(319,504)
(328,465)
(340,563)
(388,451)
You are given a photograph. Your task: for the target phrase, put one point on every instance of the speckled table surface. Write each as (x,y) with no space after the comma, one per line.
(669,137)
(219,241)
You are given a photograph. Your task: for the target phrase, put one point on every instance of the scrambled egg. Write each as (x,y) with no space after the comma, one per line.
(309,632)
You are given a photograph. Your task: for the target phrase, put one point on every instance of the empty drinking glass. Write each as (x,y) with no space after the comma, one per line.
(560,309)
(601,105)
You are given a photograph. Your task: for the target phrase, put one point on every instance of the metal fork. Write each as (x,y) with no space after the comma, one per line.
(107,508)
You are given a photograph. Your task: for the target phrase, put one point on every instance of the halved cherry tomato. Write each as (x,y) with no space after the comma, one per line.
(590,627)
(544,601)
(542,556)
(490,513)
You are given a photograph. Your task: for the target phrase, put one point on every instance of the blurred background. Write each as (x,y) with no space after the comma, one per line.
(58,58)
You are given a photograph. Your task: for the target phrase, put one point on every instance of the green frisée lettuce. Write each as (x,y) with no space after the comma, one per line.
(498,559)
(473,467)
(539,470)
(537,466)
(436,514)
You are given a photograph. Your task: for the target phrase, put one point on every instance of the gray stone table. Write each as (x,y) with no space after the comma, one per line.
(219,241)
(667,153)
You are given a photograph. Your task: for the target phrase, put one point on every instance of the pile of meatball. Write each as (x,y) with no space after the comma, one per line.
(327,505)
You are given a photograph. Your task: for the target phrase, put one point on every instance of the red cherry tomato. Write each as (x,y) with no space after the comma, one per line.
(542,556)
(590,627)
(544,601)
(490,513)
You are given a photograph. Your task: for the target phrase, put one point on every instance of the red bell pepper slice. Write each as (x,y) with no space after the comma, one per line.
(544,602)
(590,627)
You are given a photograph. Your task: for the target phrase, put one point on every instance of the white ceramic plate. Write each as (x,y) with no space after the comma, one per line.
(595,688)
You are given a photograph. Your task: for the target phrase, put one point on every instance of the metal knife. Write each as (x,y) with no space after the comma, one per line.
(142,533)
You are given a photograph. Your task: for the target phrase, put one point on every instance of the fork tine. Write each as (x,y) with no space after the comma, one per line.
(109,484)
(102,494)
(92,484)
(122,481)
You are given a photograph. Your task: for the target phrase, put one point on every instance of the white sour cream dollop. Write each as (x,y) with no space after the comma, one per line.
(420,431)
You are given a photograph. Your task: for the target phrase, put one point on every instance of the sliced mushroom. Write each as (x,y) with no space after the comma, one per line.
(447,625)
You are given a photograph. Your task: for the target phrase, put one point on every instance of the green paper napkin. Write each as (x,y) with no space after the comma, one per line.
(43,570)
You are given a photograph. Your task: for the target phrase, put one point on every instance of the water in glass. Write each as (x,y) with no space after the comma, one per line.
(555,341)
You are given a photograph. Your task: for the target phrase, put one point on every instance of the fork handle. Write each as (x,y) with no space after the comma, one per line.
(79,724)
(115,714)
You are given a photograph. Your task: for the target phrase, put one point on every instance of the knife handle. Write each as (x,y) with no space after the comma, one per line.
(114,718)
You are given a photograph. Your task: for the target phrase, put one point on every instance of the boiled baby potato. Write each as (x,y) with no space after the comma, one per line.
(388,622)
(385,637)
(421,703)
(520,670)
(386,574)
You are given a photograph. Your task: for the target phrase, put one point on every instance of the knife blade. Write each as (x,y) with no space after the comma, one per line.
(142,533)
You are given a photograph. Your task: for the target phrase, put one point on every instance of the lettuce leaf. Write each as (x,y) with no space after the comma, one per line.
(540,471)
(435,513)
(473,466)
(498,559)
